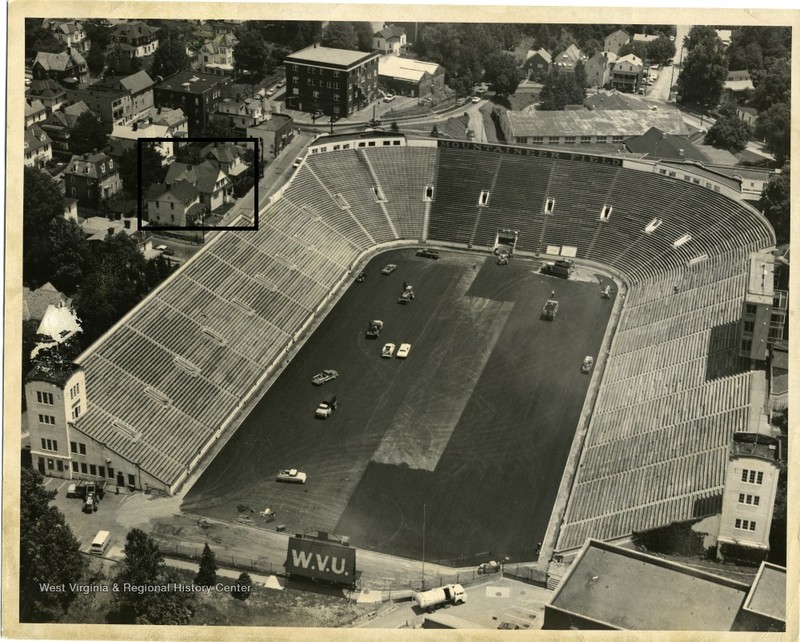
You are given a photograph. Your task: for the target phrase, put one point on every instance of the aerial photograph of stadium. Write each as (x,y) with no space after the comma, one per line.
(397,324)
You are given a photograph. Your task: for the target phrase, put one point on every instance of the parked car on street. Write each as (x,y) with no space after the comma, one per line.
(388,351)
(324,377)
(374,329)
(389,269)
(403,350)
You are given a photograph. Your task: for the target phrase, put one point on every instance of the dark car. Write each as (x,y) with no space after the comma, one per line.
(428,254)
(374,329)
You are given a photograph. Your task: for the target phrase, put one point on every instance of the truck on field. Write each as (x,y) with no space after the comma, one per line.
(549,310)
(449,594)
(562,268)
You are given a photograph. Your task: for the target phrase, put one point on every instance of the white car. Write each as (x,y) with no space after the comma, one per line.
(476,99)
(388,99)
(388,351)
(403,350)
(297,162)
(291,476)
(586,366)
(271,91)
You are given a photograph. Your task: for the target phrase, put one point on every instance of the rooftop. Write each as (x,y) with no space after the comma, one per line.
(753,444)
(330,56)
(391,32)
(192,82)
(59,61)
(621,122)
(541,51)
(658,144)
(616,99)
(761,276)
(405,68)
(52,370)
(625,589)
(36,302)
(768,593)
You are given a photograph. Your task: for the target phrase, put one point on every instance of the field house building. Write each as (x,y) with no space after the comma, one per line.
(132,407)
(335,82)
(409,77)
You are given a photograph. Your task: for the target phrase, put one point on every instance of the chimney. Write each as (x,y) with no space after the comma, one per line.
(127,223)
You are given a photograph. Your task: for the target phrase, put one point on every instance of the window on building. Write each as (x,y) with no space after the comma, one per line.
(617,139)
(537,139)
(131,480)
(110,472)
(75,466)
(82,448)
(749,326)
(586,139)
(84,468)
(750,308)
(73,447)
(92,469)
(101,471)
(50,464)
(569,139)
(747,345)
(47,419)
(44,397)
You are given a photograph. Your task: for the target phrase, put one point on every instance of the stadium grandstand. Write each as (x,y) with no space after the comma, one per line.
(673,390)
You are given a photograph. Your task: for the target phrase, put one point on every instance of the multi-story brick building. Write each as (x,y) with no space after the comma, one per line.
(196,93)
(335,82)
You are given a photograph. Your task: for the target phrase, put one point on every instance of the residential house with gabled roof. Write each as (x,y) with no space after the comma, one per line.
(214,186)
(136,38)
(68,65)
(49,91)
(537,63)
(60,123)
(240,113)
(216,56)
(36,302)
(90,178)
(737,85)
(655,143)
(227,156)
(598,68)
(38,147)
(35,111)
(173,119)
(140,88)
(567,60)
(70,32)
(615,41)
(173,205)
(390,40)
(626,75)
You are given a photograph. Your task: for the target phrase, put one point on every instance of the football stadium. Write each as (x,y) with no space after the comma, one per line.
(489,436)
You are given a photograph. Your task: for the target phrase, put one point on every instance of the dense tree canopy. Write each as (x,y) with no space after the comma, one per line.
(364,35)
(37,39)
(152,169)
(728,132)
(340,35)
(49,553)
(42,202)
(660,51)
(67,254)
(88,134)
(244,584)
(170,57)
(705,69)
(503,73)
(772,85)
(773,126)
(698,34)
(252,53)
(100,37)
(561,90)
(777,204)
(638,49)
(754,48)
(121,63)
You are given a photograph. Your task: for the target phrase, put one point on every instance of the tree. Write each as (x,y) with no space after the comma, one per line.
(503,73)
(121,63)
(728,132)
(170,57)
(143,567)
(116,283)
(660,51)
(364,35)
(207,573)
(638,49)
(394,126)
(153,171)
(191,154)
(67,244)
(340,35)
(704,72)
(244,585)
(772,85)
(559,91)
(773,126)
(217,127)
(42,202)
(37,39)
(88,134)
(49,553)
(698,34)
(777,204)
(251,53)
(100,37)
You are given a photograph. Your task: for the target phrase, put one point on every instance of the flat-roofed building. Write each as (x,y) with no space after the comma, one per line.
(608,587)
(334,82)
(410,77)
(196,93)
(585,127)
(764,309)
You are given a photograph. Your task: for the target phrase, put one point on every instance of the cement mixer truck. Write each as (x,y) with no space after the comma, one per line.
(442,596)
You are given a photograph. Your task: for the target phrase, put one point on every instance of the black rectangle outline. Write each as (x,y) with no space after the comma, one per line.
(178,228)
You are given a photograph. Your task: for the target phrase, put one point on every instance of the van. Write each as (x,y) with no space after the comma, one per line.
(100,543)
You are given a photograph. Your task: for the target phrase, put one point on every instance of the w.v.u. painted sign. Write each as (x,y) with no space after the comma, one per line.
(321,559)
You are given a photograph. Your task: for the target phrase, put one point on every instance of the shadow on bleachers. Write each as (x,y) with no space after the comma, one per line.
(705,506)
(723,357)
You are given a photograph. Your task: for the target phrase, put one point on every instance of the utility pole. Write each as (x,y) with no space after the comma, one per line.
(423,547)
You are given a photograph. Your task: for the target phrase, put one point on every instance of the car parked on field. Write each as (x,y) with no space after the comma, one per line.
(428,254)
(291,476)
(374,329)
(587,364)
(389,269)
(403,350)
(326,408)
(388,351)
(324,377)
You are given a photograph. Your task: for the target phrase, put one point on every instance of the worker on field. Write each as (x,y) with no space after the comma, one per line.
(552,294)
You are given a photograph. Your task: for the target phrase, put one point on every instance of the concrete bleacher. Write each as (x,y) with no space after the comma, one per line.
(672,382)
